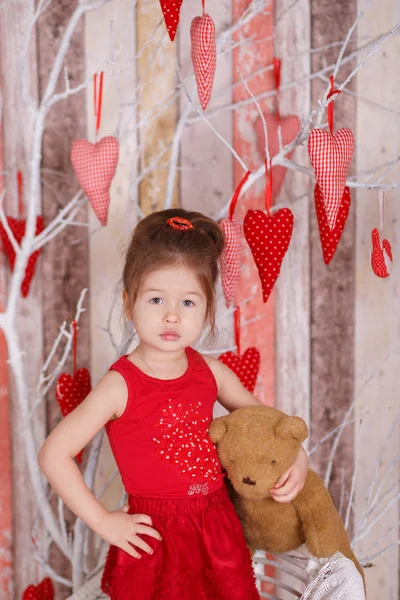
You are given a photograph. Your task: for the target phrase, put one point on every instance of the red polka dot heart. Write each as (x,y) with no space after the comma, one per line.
(268,237)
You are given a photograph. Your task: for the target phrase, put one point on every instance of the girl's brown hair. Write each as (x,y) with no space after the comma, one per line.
(156,245)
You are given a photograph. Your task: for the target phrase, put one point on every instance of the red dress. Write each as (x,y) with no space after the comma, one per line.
(171,472)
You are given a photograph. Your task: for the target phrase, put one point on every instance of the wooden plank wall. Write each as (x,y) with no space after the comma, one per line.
(16,143)
(377,301)
(65,258)
(332,286)
(6,566)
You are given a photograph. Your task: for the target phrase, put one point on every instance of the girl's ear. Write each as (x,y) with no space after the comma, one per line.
(126,303)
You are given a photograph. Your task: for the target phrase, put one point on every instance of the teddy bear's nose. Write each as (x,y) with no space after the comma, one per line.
(248,481)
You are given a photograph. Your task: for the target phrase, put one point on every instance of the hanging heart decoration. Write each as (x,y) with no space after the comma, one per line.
(381,256)
(18,227)
(286,127)
(245,367)
(204,55)
(171,11)
(71,390)
(95,166)
(230,260)
(43,591)
(330,155)
(330,238)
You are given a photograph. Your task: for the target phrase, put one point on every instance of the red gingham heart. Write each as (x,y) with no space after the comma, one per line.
(330,238)
(381,257)
(95,165)
(268,238)
(171,10)
(17,226)
(230,260)
(330,156)
(290,127)
(43,591)
(71,391)
(204,56)
(245,366)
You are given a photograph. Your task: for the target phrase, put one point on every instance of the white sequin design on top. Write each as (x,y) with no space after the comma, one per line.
(184,443)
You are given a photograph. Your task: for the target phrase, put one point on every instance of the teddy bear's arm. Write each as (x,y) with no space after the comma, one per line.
(321,523)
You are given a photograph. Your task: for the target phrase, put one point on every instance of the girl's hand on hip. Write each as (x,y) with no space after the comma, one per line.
(122,530)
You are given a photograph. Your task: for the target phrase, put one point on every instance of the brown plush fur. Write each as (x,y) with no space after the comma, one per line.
(256,445)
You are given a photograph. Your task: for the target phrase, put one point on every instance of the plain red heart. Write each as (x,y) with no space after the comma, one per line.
(245,367)
(330,238)
(204,56)
(71,391)
(171,10)
(18,226)
(94,166)
(268,238)
(381,264)
(290,126)
(43,591)
(330,156)
(230,260)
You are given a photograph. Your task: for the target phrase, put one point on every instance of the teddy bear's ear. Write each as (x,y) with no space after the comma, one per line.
(291,427)
(217,430)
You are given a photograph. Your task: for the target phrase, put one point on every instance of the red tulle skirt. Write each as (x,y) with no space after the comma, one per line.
(202,556)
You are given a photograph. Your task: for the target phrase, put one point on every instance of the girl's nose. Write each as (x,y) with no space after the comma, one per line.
(172,317)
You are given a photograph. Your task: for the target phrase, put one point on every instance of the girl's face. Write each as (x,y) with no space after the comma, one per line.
(170,310)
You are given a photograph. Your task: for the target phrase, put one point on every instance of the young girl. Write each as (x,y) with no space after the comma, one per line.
(178,538)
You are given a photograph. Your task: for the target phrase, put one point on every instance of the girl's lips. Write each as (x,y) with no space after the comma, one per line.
(170,336)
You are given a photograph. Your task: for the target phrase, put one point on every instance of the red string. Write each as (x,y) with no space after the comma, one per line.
(95,95)
(203,2)
(237,329)
(268,186)
(75,335)
(20,194)
(332,92)
(236,195)
(100,101)
(277,77)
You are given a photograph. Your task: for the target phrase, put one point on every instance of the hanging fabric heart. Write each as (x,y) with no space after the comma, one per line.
(245,367)
(230,260)
(95,165)
(381,256)
(18,226)
(43,591)
(330,155)
(72,390)
(204,55)
(330,238)
(171,10)
(290,127)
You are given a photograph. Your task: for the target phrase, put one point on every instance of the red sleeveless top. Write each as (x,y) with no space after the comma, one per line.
(160,442)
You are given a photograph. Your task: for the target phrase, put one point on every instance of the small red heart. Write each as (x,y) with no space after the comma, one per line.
(171,10)
(18,226)
(268,238)
(381,257)
(245,366)
(43,591)
(290,126)
(94,166)
(204,56)
(71,391)
(330,238)
(230,260)
(330,156)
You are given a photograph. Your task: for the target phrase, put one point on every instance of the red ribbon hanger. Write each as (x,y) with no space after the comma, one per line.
(332,92)
(277,77)
(268,186)
(237,329)
(98,100)
(236,194)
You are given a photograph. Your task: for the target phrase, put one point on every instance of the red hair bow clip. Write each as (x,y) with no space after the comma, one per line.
(180,223)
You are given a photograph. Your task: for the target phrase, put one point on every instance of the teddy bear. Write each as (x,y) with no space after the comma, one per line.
(256,445)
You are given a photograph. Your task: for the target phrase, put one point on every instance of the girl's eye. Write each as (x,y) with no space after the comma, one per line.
(156,301)
(188,303)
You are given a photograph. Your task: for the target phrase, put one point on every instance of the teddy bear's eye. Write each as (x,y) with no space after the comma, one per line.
(273,462)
